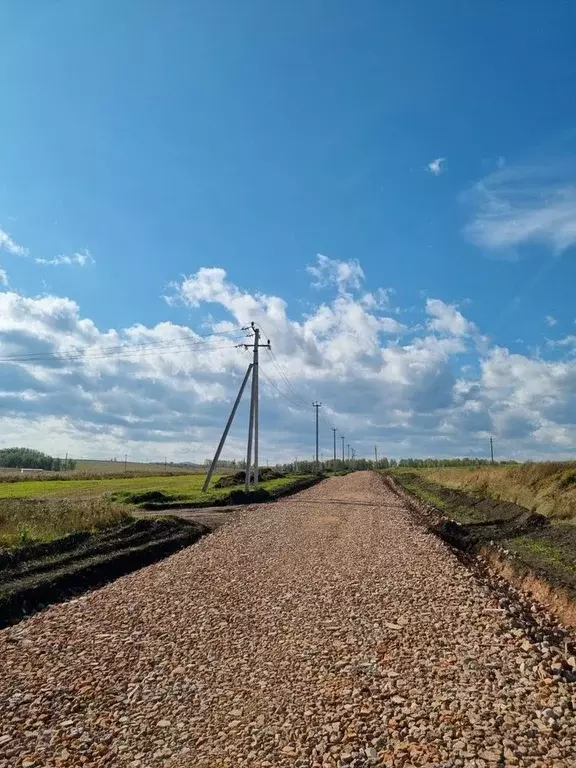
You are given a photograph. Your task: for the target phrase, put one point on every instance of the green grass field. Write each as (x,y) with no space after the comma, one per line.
(51,489)
(36,510)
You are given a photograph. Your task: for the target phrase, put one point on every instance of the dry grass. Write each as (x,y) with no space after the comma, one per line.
(27,521)
(548,488)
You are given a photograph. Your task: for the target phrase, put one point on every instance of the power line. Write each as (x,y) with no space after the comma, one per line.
(127,352)
(285,378)
(121,349)
(272,384)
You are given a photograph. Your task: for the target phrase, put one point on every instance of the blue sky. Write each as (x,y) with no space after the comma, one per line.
(426,151)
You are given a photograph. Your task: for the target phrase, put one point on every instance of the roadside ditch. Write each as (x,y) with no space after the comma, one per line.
(504,542)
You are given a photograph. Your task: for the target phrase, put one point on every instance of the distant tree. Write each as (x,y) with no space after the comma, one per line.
(28,458)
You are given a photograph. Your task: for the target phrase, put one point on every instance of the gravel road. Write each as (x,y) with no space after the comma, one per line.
(327,629)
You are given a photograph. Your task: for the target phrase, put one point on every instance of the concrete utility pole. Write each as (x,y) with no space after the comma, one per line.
(491,451)
(348,453)
(317,406)
(226,429)
(334,430)
(125,461)
(343,437)
(375,456)
(253,423)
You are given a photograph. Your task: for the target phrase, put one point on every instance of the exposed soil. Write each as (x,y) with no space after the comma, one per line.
(35,576)
(532,552)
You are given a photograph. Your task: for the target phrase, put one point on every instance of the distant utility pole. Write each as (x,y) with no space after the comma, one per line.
(348,452)
(317,406)
(125,462)
(343,437)
(491,451)
(66,462)
(375,456)
(253,420)
(334,430)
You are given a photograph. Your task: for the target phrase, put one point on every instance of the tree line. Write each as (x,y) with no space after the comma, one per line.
(28,458)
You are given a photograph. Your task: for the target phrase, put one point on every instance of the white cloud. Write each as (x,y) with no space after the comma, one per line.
(81,258)
(8,244)
(550,321)
(518,206)
(344,275)
(3,277)
(446,318)
(436,166)
(426,390)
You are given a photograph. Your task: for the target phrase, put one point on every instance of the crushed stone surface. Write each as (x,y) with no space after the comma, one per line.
(328,629)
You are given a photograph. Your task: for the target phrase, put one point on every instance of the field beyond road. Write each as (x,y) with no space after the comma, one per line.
(326,630)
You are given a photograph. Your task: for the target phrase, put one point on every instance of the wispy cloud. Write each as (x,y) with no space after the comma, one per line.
(550,321)
(531,204)
(3,277)
(8,244)
(436,166)
(82,258)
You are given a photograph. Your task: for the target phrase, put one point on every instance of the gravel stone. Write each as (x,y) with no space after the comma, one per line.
(328,629)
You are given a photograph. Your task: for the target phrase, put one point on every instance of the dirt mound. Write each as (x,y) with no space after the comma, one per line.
(239,478)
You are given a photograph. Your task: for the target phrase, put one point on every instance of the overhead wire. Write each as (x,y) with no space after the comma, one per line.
(284,376)
(273,385)
(121,350)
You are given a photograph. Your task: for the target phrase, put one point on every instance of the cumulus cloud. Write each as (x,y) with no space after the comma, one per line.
(522,205)
(165,389)
(3,277)
(345,275)
(436,166)
(81,259)
(8,244)
(446,318)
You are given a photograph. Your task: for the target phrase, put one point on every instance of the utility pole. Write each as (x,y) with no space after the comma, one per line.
(253,422)
(226,429)
(375,457)
(317,406)
(125,461)
(343,437)
(348,453)
(491,451)
(66,462)
(334,430)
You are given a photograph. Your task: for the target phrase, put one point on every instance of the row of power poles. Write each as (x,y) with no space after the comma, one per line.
(253,425)
(351,451)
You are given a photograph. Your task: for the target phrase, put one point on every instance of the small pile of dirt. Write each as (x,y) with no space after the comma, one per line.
(239,478)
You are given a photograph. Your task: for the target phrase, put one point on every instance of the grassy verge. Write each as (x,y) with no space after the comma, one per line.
(544,543)
(28,521)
